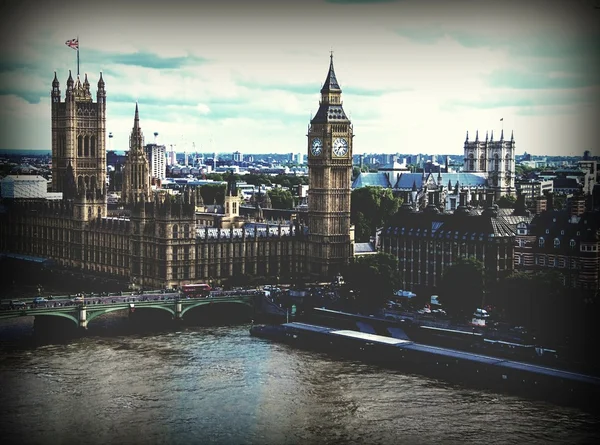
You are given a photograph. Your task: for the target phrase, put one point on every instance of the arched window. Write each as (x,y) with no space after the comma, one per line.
(572,244)
(471,162)
(186,229)
(482,163)
(80,183)
(496,162)
(541,242)
(556,243)
(93,146)
(175,229)
(86,146)
(507,163)
(80,146)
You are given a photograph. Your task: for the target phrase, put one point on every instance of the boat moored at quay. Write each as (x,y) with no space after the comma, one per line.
(489,373)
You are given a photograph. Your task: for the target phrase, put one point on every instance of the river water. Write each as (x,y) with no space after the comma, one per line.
(219,385)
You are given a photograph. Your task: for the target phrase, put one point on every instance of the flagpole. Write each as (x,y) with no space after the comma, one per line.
(78,55)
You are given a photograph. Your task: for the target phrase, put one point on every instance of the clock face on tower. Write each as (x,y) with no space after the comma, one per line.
(340,147)
(316,146)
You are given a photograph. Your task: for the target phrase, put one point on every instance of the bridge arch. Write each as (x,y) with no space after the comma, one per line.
(96,313)
(221,302)
(58,314)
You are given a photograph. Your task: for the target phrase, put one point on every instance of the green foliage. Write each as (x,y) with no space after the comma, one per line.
(462,286)
(507,202)
(213,193)
(281,198)
(372,207)
(373,277)
(560,202)
(258,180)
(290,180)
(538,301)
(521,169)
(215,176)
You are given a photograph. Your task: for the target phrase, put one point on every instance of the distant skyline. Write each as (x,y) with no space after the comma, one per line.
(245,75)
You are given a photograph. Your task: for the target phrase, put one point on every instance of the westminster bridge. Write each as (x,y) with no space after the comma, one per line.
(81,312)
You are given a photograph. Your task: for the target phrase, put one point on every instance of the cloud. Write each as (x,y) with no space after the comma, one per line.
(521,79)
(143,59)
(531,100)
(360,2)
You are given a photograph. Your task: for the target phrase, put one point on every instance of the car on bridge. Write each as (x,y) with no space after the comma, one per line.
(39,300)
(77,300)
(16,304)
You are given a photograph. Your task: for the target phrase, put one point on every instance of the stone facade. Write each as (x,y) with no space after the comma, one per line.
(162,240)
(494,158)
(330,136)
(428,241)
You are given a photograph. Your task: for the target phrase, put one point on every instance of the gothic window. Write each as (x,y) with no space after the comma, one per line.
(541,242)
(186,229)
(572,244)
(471,162)
(507,163)
(496,162)
(86,146)
(482,163)
(80,183)
(556,243)
(80,146)
(93,146)
(234,207)
(175,231)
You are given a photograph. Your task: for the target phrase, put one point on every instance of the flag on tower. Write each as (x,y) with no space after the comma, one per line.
(73,43)
(501,119)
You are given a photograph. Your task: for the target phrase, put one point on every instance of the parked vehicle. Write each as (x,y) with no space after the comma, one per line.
(481,313)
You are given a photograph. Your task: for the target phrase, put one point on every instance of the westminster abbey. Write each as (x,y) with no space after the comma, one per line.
(162,240)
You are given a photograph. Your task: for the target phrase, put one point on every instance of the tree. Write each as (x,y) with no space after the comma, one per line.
(215,176)
(258,180)
(462,286)
(507,202)
(213,193)
(373,277)
(372,207)
(540,302)
(281,198)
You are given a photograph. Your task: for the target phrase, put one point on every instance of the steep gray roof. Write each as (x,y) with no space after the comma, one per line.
(371,180)
(464,179)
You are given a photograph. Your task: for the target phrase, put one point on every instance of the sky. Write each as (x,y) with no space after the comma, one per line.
(233,75)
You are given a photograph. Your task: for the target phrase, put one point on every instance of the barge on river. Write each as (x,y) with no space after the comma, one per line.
(457,366)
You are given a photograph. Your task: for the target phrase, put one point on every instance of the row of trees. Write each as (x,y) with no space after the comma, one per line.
(286,181)
(555,314)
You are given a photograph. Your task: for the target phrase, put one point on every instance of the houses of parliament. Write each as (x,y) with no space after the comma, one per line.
(161,240)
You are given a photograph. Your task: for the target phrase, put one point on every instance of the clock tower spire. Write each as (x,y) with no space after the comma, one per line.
(329,173)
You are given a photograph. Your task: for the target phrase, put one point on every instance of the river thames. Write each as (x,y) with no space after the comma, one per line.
(219,385)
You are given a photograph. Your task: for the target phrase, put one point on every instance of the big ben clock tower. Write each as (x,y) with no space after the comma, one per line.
(329,174)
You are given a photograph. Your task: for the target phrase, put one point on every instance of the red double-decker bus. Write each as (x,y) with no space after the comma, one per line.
(195,290)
